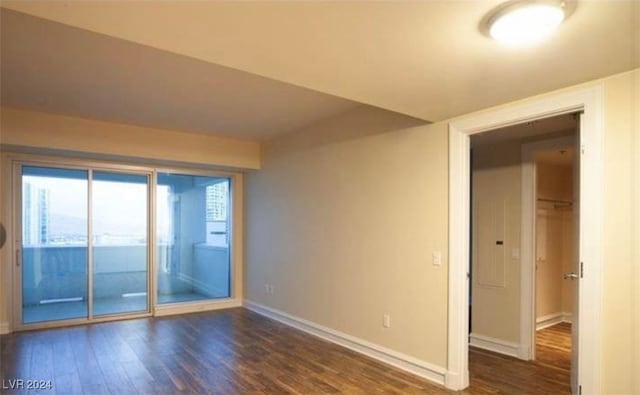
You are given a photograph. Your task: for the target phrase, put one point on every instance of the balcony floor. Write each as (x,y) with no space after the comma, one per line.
(102,306)
(182,297)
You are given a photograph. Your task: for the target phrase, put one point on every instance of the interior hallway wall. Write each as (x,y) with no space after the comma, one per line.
(496,219)
(554,242)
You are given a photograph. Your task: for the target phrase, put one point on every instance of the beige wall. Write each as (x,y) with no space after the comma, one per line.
(635,262)
(548,262)
(621,199)
(554,237)
(344,231)
(42,131)
(554,182)
(496,217)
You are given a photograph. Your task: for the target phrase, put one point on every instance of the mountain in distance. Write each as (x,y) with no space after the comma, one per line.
(66,225)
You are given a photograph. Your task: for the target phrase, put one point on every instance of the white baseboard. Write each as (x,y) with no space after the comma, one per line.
(495,345)
(4,328)
(548,320)
(203,286)
(164,310)
(405,362)
(552,319)
(455,381)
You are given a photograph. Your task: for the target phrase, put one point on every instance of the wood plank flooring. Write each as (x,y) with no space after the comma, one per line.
(234,351)
(550,373)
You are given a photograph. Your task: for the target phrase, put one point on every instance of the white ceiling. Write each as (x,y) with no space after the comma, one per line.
(427,59)
(566,124)
(51,67)
(558,157)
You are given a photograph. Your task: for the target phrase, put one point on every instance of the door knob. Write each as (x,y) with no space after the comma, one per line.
(570,276)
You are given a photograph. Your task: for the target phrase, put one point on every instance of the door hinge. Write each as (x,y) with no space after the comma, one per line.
(582,149)
(581,269)
(579,390)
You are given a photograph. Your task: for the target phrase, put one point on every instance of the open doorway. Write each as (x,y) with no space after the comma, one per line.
(555,251)
(586,370)
(522,185)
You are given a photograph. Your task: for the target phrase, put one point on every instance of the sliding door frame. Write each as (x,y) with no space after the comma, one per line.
(12,191)
(150,239)
(235,248)
(16,234)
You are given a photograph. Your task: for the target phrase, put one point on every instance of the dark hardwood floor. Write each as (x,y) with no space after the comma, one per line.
(234,352)
(550,373)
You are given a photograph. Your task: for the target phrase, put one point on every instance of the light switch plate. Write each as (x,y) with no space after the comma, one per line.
(436,258)
(515,253)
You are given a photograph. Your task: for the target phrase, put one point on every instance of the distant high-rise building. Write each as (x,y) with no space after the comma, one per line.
(35,221)
(217,204)
(217,197)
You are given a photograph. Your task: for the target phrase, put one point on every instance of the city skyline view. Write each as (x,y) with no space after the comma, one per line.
(66,210)
(55,211)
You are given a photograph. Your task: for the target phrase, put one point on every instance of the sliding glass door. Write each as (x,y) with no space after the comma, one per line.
(193,228)
(84,243)
(54,244)
(119,222)
(85,248)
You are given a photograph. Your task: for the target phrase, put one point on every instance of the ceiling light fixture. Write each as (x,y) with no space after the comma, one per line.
(526,21)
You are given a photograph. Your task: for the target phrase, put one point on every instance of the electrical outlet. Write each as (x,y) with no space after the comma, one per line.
(386,321)
(266,288)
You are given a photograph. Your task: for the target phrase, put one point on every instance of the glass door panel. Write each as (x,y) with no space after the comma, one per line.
(193,237)
(54,244)
(85,241)
(120,242)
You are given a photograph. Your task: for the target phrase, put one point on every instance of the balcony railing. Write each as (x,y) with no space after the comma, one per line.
(53,273)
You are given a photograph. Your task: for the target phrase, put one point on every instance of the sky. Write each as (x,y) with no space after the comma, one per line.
(116,205)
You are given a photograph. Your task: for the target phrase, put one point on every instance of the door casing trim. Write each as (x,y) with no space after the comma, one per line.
(590,101)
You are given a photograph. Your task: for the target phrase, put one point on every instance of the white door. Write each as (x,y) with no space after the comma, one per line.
(576,274)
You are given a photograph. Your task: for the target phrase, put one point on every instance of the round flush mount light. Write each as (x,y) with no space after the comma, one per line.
(526,22)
